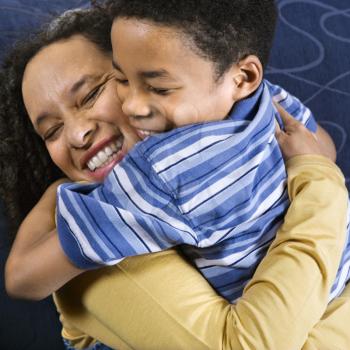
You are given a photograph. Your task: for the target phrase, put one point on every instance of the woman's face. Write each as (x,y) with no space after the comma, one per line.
(69,92)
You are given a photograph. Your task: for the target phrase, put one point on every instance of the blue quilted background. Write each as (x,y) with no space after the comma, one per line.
(18,17)
(310,58)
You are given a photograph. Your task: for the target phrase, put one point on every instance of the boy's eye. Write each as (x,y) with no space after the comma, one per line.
(52,133)
(159,91)
(122,81)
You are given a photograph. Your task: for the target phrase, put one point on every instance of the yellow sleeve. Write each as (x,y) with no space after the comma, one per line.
(160,301)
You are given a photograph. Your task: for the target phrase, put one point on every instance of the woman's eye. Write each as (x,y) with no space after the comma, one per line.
(159,91)
(52,133)
(92,95)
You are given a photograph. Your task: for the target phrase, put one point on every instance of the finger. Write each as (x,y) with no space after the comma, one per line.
(285,116)
(277,127)
(279,133)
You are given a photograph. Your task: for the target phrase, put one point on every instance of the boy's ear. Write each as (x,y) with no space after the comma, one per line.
(247,76)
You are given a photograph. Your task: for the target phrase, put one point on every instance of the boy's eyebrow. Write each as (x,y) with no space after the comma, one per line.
(161,73)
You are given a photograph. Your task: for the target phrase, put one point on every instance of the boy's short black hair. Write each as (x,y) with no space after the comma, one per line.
(224,31)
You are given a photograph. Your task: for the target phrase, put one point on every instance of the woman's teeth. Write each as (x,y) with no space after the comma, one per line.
(145,133)
(105,156)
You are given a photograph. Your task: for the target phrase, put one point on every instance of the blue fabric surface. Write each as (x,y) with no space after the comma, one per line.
(309,58)
(18,17)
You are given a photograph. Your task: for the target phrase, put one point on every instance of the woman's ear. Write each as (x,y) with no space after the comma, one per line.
(247,76)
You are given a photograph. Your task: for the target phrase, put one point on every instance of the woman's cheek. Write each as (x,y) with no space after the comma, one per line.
(60,156)
(109,109)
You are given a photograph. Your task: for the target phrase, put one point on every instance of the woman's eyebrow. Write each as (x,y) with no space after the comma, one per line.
(81,82)
(76,86)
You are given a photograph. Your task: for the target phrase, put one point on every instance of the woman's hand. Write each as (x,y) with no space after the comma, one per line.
(296,139)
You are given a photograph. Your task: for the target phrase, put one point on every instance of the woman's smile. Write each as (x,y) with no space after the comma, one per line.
(105,155)
(101,159)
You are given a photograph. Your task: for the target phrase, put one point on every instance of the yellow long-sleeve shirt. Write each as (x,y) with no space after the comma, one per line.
(160,301)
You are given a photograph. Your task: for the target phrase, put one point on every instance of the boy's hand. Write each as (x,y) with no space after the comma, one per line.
(295,139)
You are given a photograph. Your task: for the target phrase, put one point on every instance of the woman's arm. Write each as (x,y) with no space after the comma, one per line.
(326,143)
(37,264)
(159,301)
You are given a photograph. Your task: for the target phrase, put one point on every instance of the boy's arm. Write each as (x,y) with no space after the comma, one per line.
(37,265)
(131,213)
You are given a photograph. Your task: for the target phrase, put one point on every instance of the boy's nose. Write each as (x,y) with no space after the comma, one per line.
(136,107)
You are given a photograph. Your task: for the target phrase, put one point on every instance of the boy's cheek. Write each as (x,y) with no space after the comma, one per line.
(186,113)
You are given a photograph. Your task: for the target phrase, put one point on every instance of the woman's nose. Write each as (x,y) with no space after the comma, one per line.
(81,132)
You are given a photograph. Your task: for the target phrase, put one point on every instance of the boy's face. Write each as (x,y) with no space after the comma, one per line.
(162,81)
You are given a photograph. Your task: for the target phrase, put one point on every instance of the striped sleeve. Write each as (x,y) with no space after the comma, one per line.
(131,213)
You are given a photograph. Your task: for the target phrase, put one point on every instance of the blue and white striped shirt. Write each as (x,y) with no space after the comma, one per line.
(218,189)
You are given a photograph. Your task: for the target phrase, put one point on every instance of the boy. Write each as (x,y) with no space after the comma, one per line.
(216,187)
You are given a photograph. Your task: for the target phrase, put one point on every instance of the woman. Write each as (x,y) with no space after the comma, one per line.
(74,58)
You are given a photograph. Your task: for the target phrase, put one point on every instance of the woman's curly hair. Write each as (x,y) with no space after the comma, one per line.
(26,168)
